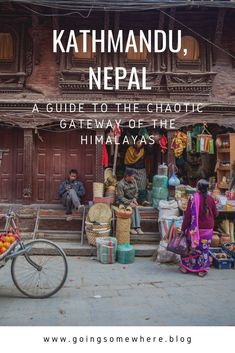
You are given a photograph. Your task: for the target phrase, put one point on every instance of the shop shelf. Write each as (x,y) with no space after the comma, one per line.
(223,150)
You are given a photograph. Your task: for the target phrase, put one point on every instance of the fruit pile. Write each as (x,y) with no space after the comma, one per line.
(5,241)
(231,247)
(221,256)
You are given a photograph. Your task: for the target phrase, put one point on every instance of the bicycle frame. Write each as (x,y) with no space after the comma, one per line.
(20,248)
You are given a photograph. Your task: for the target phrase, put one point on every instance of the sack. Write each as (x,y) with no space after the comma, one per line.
(165,224)
(164,256)
(168,209)
(178,243)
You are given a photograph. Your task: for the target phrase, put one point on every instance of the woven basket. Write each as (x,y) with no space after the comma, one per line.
(97,227)
(92,235)
(123,227)
(100,213)
(98,190)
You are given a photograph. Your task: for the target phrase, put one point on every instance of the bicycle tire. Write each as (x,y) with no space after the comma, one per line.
(30,257)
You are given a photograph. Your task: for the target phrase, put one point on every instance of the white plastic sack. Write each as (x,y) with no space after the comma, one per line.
(165,256)
(168,209)
(164,224)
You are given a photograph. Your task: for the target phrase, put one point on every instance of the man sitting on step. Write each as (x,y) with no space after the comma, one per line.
(127,193)
(71,192)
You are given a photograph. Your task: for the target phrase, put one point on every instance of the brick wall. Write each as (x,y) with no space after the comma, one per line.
(45,75)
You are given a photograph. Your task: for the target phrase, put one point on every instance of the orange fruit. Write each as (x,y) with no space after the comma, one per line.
(1,244)
(12,239)
(7,244)
(7,238)
(2,250)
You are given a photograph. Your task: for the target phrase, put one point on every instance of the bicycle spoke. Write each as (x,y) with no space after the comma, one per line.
(51,274)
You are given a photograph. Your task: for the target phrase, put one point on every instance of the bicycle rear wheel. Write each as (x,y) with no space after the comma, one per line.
(41,271)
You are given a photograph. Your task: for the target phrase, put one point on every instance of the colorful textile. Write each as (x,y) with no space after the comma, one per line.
(205,221)
(200,240)
(179,143)
(163,143)
(198,260)
(105,156)
(133,155)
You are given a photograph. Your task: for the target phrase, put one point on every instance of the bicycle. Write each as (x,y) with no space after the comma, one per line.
(39,267)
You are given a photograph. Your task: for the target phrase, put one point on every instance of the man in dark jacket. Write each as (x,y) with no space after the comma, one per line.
(71,191)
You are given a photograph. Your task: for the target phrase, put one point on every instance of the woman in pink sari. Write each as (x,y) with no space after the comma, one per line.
(198,223)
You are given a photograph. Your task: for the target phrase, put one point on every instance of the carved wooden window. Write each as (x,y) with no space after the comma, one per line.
(6,47)
(193,50)
(80,55)
(192,58)
(137,56)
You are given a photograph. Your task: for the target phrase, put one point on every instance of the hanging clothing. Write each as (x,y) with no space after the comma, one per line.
(199,227)
(163,143)
(105,156)
(133,155)
(179,143)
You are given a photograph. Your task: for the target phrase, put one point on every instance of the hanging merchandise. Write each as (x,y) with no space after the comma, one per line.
(179,143)
(205,142)
(105,157)
(197,130)
(189,147)
(144,133)
(174,181)
(160,189)
(163,143)
(162,169)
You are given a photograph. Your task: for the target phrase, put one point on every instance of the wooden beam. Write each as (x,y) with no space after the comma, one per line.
(99,167)
(218,33)
(28,166)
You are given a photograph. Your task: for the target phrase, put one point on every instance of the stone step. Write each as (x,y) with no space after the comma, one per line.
(146,238)
(76,249)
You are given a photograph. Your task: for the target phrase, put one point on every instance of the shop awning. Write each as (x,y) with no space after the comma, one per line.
(122,5)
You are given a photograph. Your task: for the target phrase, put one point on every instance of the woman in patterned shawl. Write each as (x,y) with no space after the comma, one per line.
(198,223)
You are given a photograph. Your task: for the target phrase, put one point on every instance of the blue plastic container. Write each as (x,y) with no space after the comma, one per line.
(222,264)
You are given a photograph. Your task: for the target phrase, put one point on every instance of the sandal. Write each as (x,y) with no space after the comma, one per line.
(202,273)
(182,269)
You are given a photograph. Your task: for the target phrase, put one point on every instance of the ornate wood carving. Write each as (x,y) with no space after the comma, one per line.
(218,32)
(190,83)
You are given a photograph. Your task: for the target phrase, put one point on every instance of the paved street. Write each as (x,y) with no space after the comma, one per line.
(144,293)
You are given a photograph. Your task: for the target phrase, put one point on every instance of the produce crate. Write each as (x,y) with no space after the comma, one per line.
(222,264)
(228,251)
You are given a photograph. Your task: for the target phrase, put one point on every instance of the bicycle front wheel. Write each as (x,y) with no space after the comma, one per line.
(41,271)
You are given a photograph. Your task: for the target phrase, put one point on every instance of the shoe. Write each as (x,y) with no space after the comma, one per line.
(139,231)
(69,218)
(202,273)
(182,269)
(146,203)
(133,231)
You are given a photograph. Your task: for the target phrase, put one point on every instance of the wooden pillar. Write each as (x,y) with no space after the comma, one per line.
(28,166)
(170,154)
(99,167)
